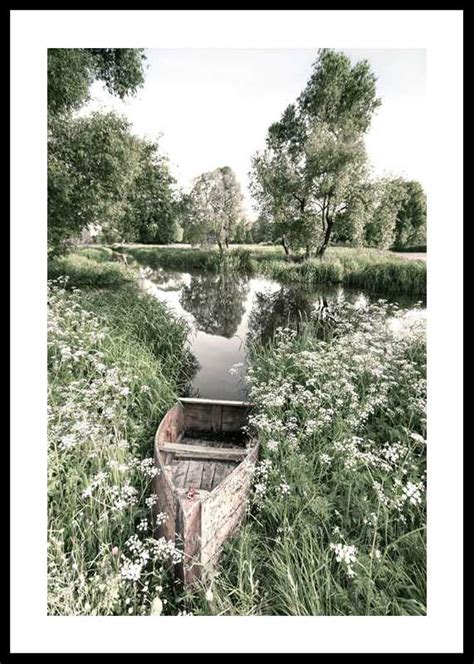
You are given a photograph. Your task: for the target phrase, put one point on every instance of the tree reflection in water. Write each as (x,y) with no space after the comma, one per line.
(216,302)
(287,307)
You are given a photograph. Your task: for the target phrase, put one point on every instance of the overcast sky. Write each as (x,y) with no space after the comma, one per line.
(212,107)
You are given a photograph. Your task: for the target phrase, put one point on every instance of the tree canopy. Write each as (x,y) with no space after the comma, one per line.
(213,208)
(315,154)
(410,226)
(99,173)
(71,71)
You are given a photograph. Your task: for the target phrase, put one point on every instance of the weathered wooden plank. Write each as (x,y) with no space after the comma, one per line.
(171,426)
(208,415)
(224,508)
(200,452)
(208,471)
(220,402)
(167,504)
(194,474)
(203,442)
(222,470)
(180,470)
(189,521)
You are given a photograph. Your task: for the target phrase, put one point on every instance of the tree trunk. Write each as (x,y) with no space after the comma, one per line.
(226,242)
(285,246)
(327,236)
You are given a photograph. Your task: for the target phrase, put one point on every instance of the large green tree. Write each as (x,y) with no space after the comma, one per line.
(92,164)
(410,226)
(152,209)
(213,208)
(92,161)
(315,154)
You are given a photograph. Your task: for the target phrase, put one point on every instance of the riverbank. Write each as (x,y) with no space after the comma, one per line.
(369,269)
(338,496)
(337,517)
(117,360)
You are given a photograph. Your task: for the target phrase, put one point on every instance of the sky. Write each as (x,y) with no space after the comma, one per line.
(212,107)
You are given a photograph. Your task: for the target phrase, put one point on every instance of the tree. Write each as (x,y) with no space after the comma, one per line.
(390,195)
(315,154)
(213,208)
(262,229)
(92,164)
(410,226)
(351,223)
(71,72)
(151,209)
(91,161)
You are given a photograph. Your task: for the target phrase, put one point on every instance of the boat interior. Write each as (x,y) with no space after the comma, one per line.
(205,446)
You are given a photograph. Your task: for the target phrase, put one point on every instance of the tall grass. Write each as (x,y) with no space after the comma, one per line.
(337,516)
(87,270)
(371,269)
(377,273)
(116,362)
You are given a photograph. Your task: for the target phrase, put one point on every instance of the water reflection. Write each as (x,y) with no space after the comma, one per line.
(226,311)
(287,307)
(216,302)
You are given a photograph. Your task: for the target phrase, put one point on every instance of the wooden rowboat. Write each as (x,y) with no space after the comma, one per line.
(205,463)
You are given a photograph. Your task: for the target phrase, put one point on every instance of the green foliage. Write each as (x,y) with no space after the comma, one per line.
(382,273)
(410,227)
(213,209)
(315,155)
(100,175)
(339,95)
(373,270)
(82,271)
(338,515)
(98,254)
(183,258)
(116,363)
(72,70)
(92,161)
(92,164)
(151,210)
(390,196)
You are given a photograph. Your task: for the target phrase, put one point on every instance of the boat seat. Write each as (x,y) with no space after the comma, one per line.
(201,452)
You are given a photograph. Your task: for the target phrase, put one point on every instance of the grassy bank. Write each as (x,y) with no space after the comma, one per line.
(337,516)
(371,272)
(177,258)
(370,269)
(116,362)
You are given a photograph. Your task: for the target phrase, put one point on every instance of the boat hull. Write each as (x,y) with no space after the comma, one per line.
(200,517)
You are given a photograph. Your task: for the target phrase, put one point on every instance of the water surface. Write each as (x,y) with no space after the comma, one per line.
(225,311)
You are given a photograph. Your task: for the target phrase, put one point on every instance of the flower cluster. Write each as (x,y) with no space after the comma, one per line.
(97,475)
(346,555)
(342,423)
